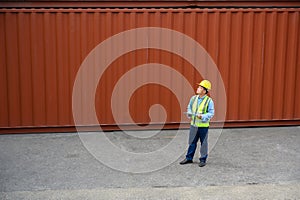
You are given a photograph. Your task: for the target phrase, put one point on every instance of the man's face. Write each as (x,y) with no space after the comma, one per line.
(200,90)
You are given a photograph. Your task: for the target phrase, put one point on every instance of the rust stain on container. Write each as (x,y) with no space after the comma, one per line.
(257,52)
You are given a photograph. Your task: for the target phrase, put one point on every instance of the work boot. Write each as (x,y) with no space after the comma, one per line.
(202,164)
(185,161)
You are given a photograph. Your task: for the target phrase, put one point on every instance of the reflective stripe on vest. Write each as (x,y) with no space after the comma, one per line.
(201,109)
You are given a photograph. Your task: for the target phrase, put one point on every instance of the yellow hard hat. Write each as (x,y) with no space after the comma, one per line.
(206,84)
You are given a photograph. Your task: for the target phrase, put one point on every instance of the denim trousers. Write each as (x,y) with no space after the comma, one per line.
(197,133)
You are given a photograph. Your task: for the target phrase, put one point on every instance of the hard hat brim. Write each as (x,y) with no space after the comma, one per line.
(202,86)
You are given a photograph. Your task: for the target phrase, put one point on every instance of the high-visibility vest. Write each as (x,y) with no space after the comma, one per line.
(201,109)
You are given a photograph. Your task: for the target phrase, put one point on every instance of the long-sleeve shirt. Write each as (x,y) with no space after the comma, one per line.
(210,110)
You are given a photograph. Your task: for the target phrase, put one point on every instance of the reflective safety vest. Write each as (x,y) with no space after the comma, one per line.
(201,109)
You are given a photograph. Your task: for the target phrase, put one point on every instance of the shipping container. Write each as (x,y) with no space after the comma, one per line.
(256,51)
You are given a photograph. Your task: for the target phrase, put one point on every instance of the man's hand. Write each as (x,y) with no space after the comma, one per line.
(199,116)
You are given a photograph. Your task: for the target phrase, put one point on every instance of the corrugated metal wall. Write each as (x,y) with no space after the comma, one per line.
(256,50)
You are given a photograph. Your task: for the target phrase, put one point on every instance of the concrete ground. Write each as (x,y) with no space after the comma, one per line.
(245,163)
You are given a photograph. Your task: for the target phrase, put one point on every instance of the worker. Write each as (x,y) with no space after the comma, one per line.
(200,110)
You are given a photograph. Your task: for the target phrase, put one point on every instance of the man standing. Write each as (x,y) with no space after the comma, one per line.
(200,110)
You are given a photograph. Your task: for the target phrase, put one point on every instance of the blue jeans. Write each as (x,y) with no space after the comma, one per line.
(195,134)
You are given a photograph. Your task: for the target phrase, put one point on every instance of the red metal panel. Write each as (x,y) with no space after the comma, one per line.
(25,68)
(246,65)
(235,65)
(63,70)
(257,74)
(13,71)
(269,62)
(256,51)
(224,46)
(4,118)
(50,68)
(74,52)
(38,70)
(280,61)
(297,87)
(290,66)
